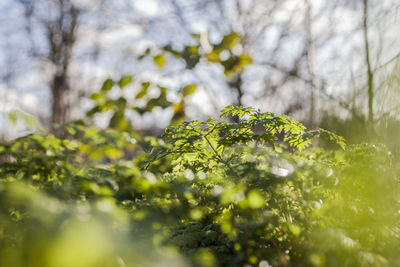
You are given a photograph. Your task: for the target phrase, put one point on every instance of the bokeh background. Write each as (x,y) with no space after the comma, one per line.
(333,64)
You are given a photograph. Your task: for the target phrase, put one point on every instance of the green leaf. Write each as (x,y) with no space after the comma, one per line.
(112,152)
(295,229)
(151,104)
(159,60)
(189,89)
(121,103)
(125,80)
(107,85)
(93,111)
(255,200)
(213,56)
(97,96)
(142,93)
(245,60)
(191,56)
(231,40)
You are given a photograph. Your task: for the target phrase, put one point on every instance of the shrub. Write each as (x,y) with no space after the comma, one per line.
(208,194)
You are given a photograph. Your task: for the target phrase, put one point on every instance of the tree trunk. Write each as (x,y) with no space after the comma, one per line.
(370,74)
(314,108)
(236,84)
(61,35)
(60,107)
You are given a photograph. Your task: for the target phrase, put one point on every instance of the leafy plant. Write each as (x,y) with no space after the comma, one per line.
(210,193)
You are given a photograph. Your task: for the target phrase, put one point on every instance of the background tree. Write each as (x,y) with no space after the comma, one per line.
(60,26)
(301,54)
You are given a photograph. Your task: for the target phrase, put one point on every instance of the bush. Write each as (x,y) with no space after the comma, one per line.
(208,194)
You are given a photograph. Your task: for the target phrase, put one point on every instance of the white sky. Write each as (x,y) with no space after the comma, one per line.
(147,7)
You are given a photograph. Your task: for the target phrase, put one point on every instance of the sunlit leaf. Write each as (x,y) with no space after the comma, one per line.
(189,89)
(255,200)
(107,85)
(231,40)
(143,91)
(125,80)
(159,60)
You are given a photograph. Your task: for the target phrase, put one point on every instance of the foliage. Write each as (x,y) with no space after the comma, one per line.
(119,107)
(209,193)
(226,53)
